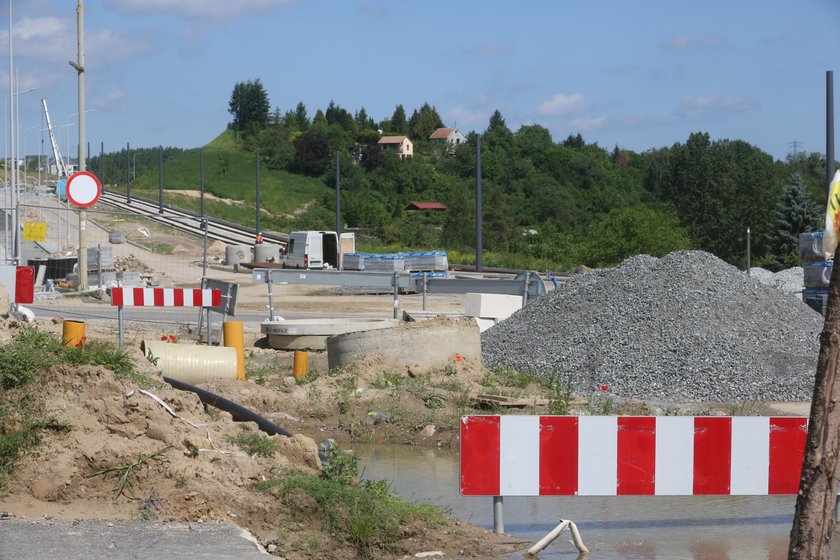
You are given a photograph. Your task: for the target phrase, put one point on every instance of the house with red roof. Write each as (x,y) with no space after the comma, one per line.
(426,206)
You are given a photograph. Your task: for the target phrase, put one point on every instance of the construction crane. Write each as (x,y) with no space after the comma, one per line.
(60,165)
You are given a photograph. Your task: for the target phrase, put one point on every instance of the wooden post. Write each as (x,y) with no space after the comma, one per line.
(813,522)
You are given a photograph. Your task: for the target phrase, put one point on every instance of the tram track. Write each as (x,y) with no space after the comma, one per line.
(190,222)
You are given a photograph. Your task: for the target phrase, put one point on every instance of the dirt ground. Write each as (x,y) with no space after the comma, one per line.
(186,467)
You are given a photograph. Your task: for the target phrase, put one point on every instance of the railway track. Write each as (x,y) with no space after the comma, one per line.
(189,222)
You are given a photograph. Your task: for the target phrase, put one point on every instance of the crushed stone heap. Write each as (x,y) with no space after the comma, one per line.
(684,328)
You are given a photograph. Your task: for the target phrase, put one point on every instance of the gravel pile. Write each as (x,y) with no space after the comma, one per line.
(790,280)
(684,328)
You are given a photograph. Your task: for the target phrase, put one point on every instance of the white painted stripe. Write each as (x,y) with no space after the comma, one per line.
(750,455)
(168,298)
(519,472)
(674,455)
(148,297)
(128,297)
(206,298)
(597,455)
(188,298)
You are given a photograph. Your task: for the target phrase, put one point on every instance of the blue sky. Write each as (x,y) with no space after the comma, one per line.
(639,75)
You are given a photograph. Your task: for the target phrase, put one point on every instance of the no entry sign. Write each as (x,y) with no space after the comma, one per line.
(83,189)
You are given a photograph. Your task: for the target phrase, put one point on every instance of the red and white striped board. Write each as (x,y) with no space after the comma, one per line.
(165,297)
(631,455)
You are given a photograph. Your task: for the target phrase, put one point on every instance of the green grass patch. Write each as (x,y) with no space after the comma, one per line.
(230,173)
(369,515)
(255,444)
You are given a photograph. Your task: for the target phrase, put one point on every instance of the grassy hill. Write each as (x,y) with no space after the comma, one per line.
(287,200)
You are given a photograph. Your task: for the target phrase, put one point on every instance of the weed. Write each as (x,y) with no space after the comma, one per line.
(560,399)
(368,515)
(450,370)
(342,466)
(510,377)
(254,444)
(387,380)
(29,352)
(601,405)
(435,400)
(181,481)
(127,473)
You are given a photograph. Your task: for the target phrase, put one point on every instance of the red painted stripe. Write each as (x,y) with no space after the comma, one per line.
(138,297)
(712,455)
(788,437)
(197,298)
(158,296)
(117,296)
(558,455)
(480,455)
(216,297)
(178,298)
(636,472)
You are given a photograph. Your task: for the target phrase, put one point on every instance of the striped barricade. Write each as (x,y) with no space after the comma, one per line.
(631,455)
(162,297)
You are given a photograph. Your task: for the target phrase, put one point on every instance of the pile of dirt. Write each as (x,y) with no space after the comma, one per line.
(183,464)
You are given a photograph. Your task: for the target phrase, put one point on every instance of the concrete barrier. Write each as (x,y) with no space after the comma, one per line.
(311,334)
(433,343)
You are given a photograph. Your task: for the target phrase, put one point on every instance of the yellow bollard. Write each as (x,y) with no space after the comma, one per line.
(301,367)
(73,334)
(232,331)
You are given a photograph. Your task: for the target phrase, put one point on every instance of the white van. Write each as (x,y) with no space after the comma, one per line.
(316,249)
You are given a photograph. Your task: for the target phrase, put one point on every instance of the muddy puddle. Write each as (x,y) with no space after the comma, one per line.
(614,528)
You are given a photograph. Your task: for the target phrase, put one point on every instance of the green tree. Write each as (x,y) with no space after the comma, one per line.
(796,213)
(423,122)
(636,230)
(398,123)
(718,189)
(312,152)
(249,106)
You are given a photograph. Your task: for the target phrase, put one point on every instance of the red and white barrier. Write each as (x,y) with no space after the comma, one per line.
(631,455)
(165,297)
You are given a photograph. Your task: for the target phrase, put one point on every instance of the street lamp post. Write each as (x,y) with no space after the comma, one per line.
(12,95)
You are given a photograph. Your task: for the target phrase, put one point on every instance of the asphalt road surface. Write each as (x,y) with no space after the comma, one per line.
(125,540)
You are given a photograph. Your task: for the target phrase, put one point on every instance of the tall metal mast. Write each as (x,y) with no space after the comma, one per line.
(60,166)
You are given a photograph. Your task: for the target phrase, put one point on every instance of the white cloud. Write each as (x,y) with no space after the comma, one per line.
(110,101)
(589,124)
(197,9)
(36,28)
(695,105)
(702,42)
(107,47)
(561,104)
(465,117)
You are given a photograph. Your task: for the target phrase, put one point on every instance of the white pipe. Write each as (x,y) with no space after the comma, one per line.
(552,536)
(191,363)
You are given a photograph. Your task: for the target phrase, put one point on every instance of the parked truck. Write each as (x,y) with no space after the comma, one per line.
(317,249)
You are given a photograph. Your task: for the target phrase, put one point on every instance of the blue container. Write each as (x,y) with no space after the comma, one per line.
(816,300)
(61,189)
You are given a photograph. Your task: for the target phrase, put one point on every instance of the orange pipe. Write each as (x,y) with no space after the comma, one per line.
(232,331)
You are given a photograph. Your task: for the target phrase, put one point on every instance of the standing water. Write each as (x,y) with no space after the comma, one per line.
(613,528)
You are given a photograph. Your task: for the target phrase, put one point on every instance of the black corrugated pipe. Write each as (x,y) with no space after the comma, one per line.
(239,413)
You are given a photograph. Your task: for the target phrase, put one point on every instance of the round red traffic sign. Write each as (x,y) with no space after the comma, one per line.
(83,189)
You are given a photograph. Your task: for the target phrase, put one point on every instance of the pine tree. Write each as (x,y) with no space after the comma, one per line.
(796,213)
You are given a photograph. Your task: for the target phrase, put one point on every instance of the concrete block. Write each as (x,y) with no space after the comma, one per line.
(484,324)
(492,306)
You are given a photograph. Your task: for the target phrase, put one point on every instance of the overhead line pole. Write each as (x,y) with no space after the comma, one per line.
(79,65)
